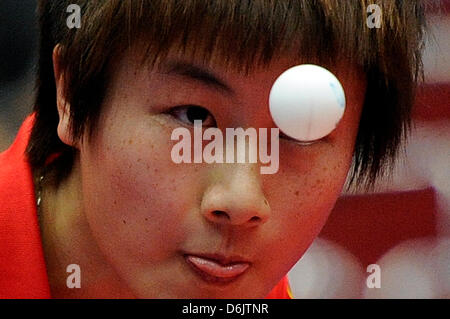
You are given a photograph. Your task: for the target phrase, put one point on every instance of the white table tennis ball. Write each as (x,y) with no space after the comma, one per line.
(307,102)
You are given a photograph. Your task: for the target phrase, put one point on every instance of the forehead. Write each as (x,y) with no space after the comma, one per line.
(248,33)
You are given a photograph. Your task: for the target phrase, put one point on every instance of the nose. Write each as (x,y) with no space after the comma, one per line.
(236,198)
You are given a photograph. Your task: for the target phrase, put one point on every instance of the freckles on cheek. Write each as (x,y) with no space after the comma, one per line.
(310,186)
(304,207)
(305,202)
(134,201)
(132,177)
(140,178)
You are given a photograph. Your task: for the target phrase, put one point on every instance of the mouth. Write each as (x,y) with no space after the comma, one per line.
(217,269)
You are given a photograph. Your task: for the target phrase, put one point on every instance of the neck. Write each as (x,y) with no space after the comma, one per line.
(67,240)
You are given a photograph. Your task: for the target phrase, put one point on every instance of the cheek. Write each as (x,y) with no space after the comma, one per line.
(301,196)
(128,184)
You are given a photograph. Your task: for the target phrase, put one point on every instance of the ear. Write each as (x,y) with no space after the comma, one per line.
(64,128)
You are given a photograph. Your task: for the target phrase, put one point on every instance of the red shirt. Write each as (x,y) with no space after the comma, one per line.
(22,266)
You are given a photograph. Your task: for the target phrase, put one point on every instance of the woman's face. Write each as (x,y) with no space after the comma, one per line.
(205,230)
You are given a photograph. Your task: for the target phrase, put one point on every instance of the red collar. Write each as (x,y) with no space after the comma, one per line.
(22,265)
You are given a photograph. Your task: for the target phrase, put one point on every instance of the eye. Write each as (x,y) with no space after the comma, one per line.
(187,114)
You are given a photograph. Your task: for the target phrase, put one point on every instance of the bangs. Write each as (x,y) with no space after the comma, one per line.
(247,34)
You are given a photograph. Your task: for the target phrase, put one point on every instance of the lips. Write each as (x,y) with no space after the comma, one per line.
(215,268)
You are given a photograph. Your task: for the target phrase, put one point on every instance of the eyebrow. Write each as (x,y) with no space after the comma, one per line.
(197,73)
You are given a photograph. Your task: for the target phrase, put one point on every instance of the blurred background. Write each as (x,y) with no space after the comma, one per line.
(18,48)
(403,226)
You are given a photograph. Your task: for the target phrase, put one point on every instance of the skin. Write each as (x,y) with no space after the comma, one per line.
(127,213)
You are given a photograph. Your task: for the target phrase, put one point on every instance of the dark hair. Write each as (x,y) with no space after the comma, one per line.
(243,34)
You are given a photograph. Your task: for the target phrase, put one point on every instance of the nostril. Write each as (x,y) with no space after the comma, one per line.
(220,214)
(255,219)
